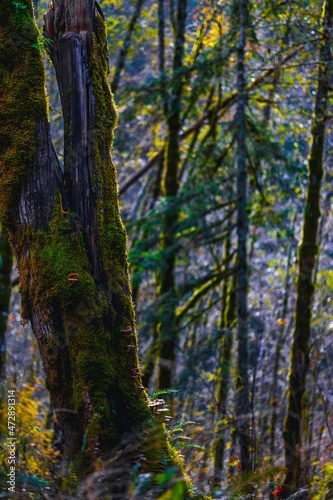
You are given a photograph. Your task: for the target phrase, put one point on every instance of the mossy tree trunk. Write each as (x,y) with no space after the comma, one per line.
(226,325)
(66,230)
(242,378)
(6,264)
(167,328)
(307,260)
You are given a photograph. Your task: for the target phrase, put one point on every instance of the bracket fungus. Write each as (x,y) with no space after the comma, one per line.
(72,277)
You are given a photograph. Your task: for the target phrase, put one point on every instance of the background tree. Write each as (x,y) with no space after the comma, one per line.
(300,352)
(242,383)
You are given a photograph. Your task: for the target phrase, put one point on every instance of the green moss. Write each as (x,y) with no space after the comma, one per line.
(22,103)
(53,257)
(113,239)
(112,233)
(83,307)
(99,368)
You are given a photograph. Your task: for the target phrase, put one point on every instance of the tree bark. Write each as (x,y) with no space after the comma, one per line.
(167,326)
(67,234)
(274,389)
(242,379)
(308,250)
(226,324)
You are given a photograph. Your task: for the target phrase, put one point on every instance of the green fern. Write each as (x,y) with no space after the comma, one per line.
(178,426)
(179,436)
(188,445)
(42,43)
(161,392)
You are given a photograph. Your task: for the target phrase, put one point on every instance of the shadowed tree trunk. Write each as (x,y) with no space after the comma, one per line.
(281,335)
(153,352)
(307,260)
(167,328)
(66,231)
(242,378)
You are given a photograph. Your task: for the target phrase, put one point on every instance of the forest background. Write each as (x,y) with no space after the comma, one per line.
(214,236)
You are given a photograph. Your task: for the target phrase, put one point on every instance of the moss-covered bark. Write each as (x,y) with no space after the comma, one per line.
(68,236)
(226,324)
(307,259)
(22,103)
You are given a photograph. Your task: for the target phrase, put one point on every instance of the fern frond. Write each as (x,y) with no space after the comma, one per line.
(188,445)
(178,426)
(179,436)
(160,392)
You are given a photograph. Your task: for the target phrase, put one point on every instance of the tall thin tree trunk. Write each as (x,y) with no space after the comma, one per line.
(273,400)
(153,351)
(307,260)
(167,327)
(226,324)
(242,379)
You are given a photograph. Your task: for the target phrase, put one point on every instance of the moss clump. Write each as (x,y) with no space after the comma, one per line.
(22,104)
(98,369)
(54,256)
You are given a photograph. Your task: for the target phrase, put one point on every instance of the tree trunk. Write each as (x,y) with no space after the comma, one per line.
(167,327)
(242,379)
(226,324)
(67,235)
(307,260)
(274,390)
